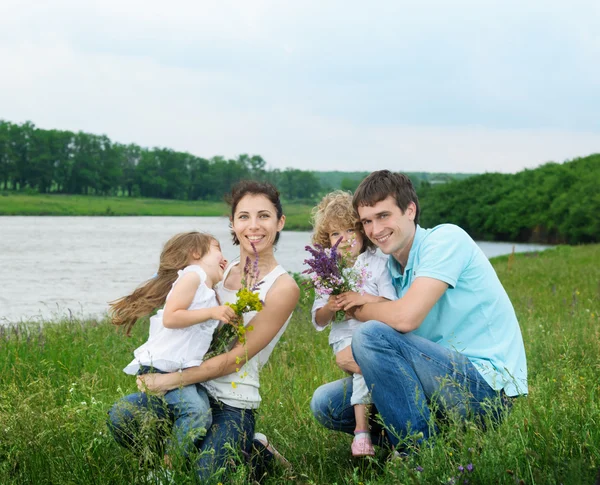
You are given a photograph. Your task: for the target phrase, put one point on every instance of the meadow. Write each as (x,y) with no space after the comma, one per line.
(21,204)
(57,382)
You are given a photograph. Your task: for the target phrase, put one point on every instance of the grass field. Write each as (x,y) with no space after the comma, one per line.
(56,384)
(83,205)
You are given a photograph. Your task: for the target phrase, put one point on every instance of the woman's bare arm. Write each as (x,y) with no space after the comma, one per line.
(279,304)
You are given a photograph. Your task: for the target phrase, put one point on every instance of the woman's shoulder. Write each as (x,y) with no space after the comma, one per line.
(285,284)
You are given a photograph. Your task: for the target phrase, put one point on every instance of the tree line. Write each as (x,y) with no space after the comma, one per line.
(57,161)
(554,203)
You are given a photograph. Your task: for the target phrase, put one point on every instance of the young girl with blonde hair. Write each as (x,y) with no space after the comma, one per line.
(334,219)
(191,264)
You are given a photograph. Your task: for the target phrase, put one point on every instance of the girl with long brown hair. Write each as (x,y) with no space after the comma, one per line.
(191,264)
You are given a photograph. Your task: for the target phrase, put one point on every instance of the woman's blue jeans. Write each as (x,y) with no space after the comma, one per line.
(232,429)
(410,378)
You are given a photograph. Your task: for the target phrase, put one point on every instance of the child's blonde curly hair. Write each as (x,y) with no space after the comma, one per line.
(336,211)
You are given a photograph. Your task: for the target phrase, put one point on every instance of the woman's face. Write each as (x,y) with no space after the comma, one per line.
(255,222)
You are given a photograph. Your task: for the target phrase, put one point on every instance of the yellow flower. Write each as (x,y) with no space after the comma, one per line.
(238,360)
(233,384)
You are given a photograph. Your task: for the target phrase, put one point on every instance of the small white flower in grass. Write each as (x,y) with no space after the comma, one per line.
(83,403)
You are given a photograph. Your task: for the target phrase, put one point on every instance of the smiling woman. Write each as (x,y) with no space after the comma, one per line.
(232,378)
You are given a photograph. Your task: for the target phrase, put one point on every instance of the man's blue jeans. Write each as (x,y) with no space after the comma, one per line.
(409,377)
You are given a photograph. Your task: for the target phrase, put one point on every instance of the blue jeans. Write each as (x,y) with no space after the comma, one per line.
(409,377)
(191,414)
(232,430)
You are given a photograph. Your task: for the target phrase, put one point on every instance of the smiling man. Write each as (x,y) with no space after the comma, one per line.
(450,344)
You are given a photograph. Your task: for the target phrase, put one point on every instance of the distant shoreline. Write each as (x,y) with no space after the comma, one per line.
(297,215)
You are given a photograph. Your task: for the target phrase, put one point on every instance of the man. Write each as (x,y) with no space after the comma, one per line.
(450,344)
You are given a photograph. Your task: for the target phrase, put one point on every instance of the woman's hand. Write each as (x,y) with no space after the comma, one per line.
(158,384)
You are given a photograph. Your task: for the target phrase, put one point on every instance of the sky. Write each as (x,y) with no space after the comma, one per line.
(435,86)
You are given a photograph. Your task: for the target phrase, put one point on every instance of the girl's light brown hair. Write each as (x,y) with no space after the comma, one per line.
(335,211)
(175,256)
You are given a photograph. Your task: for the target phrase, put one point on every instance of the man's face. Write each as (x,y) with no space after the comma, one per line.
(390,230)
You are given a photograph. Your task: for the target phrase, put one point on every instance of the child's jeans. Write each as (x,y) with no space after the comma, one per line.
(360,391)
(191,415)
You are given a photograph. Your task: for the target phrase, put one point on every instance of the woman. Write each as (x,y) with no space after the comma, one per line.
(231,378)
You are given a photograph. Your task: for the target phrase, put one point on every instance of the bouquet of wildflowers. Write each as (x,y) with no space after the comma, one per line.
(331,273)
(248,300)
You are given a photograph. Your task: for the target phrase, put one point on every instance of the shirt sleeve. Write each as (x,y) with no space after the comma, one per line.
(320,302)
(383,281)
(444,254)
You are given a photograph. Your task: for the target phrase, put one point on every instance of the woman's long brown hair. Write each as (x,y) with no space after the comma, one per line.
(151,295)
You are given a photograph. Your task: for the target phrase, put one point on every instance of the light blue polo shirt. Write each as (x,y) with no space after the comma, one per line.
(474,316)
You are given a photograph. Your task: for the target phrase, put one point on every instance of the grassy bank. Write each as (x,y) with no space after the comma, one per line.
(80,205)
(57,384)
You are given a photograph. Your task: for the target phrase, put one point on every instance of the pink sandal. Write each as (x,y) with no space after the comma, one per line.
(362,447)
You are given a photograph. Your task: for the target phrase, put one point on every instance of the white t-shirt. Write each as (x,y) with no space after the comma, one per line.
(241,389)
(172,349)
(379,283)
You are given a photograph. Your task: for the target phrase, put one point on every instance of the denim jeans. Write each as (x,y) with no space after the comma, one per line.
(409,377)
(231,431)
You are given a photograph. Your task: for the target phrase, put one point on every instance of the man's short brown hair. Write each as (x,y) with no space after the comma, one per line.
(382,184)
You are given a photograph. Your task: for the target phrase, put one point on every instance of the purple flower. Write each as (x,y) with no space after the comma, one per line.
(419,468)
(461,468)
(470,467)
(330,272)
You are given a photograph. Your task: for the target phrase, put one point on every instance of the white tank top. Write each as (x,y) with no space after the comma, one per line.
(241,389)
(172,349)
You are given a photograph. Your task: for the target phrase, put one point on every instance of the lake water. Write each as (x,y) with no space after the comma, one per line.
(50,266)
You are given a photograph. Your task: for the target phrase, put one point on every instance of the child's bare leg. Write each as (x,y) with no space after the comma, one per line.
(361,416)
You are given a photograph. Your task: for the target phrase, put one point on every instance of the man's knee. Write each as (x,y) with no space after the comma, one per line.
(364,340)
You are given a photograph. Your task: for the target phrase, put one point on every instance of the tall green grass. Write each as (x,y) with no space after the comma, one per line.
(57,382)
(18,204)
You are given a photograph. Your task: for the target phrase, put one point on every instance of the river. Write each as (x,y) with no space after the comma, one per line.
(55,266)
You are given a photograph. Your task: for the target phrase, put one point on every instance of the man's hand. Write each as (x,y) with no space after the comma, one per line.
(223,313)
(351,299)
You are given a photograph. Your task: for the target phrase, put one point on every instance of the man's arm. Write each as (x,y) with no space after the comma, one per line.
(407,313)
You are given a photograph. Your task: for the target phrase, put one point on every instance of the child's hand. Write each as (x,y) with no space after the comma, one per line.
(223,313)
(350,299)
(332,304)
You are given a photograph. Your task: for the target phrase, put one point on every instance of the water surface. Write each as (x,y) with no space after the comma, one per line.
(50,266)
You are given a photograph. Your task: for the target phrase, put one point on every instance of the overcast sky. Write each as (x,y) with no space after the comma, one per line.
(428,85)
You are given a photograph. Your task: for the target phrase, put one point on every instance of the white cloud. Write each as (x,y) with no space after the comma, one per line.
(467,86)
